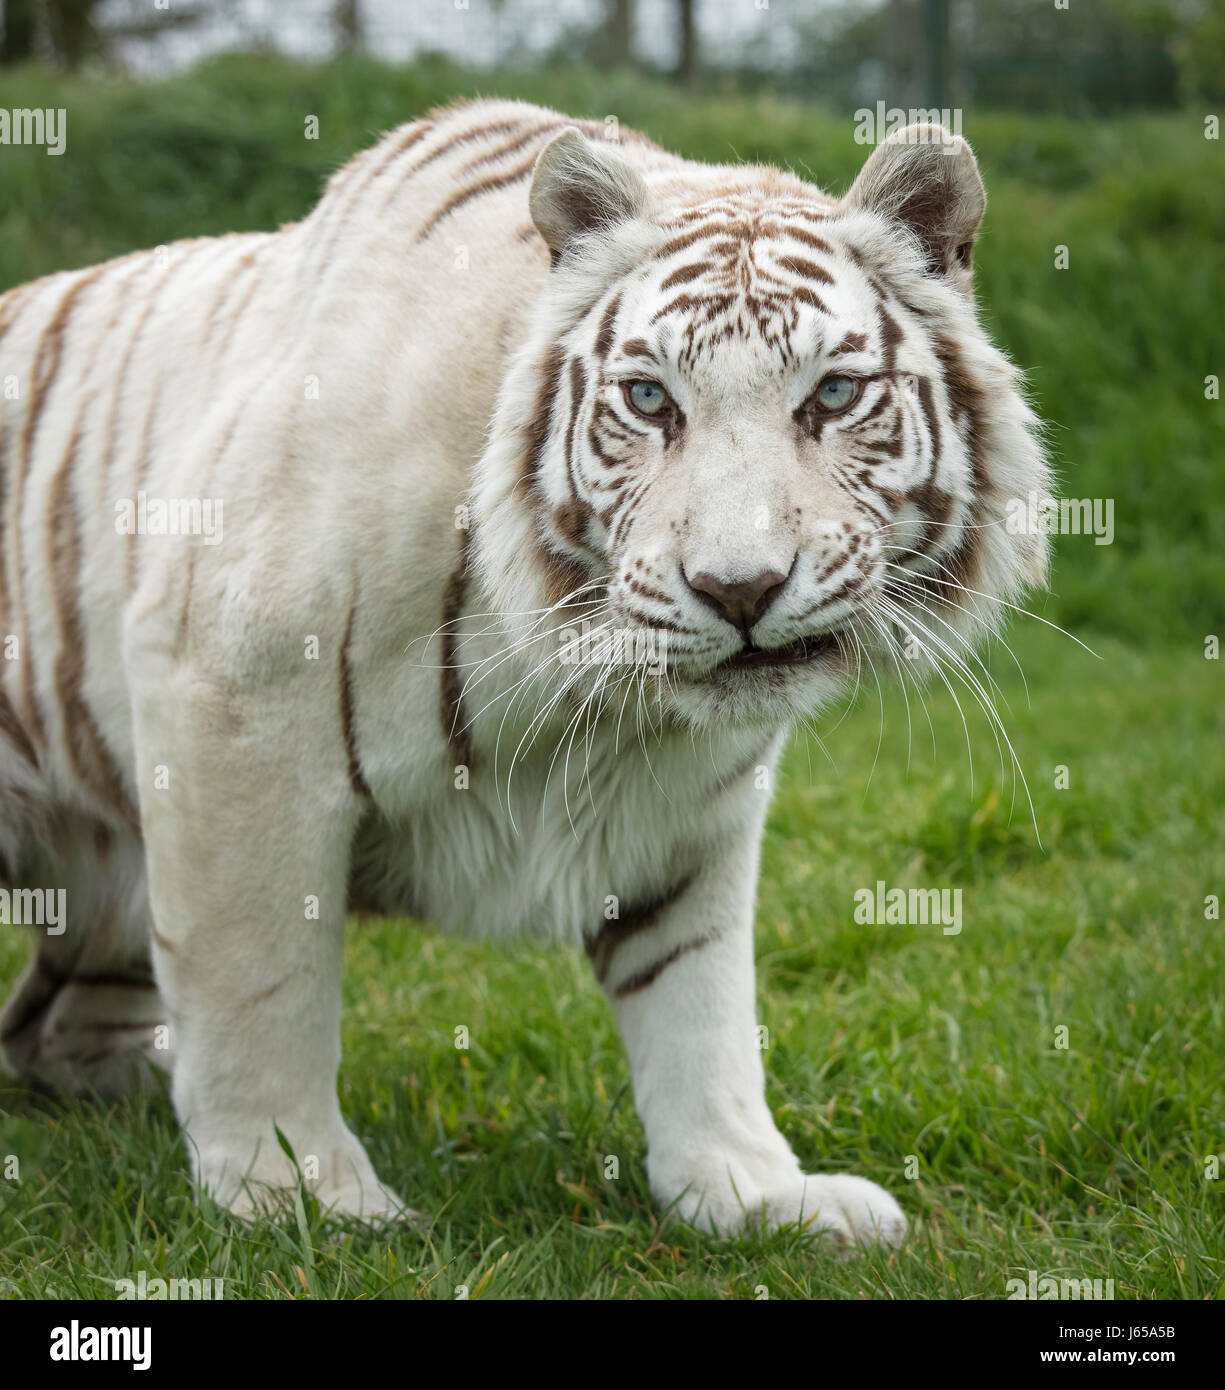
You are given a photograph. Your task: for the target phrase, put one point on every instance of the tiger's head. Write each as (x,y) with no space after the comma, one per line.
(760,424)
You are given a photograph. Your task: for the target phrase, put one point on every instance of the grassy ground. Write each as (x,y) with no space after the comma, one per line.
(884,1042)
(931,1063)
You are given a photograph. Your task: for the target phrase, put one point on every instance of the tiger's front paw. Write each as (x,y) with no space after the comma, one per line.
(253,1178)
(852,1211)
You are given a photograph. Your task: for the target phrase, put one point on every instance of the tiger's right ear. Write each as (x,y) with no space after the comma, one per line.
(578,187)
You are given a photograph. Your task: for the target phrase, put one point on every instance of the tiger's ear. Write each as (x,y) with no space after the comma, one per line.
(579,187)
(927,179)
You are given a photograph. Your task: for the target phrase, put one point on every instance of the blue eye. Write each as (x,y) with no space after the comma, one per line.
(837,392)
(647,397)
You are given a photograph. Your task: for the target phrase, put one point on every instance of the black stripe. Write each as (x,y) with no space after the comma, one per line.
(612,935)
(452,691)
(357,778)
(648,976)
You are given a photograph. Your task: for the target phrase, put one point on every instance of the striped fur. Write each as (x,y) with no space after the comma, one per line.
(416,410)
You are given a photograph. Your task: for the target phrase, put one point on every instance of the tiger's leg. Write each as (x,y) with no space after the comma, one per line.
(680,979)
(248,810)
(86,1016)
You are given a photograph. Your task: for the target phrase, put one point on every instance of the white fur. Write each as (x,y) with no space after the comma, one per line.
(426,350)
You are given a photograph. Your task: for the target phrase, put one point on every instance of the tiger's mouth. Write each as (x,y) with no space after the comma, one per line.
(801,652)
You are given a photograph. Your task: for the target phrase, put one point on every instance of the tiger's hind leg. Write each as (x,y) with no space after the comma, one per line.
(86,1017)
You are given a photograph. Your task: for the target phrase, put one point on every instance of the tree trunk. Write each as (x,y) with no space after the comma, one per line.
(70,25)
(616,42)
(687,68)
(347,25)
(20,26)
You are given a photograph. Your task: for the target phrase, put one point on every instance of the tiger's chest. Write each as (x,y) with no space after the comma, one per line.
(549,852)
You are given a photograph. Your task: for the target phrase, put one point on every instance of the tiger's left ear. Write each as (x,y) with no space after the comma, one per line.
(927,179)
(579,187)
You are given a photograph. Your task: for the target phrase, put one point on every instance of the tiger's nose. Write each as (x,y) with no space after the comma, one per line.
(743,602)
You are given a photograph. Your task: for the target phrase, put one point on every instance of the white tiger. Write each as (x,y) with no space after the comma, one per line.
(511,388)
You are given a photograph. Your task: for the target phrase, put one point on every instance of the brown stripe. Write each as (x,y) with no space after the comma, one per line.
(47,361)
(492,156)
(804,235)
(648,976)
(570,521)
(649,591)
(890,337)
(561,575)
(638,347)
(810,297)
(108,452)
(550,370)
(578,389)
(462,137)
(687,239)
(87,752)
(853,342)
(240,308)
(613,935)
(10,306)
(181,631)
(10,728)
(145,449)
(452,688)
(417,131)
(465,195)
(357,778)
(46,364)
(214,323)
(809,270)
(809,214)
(933,420)
(603,339)
(967,400)
(712,304)
(683,274)
(160,279)
(347,197)
(883,402)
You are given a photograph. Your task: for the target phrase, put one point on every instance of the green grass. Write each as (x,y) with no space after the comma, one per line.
(884,1042)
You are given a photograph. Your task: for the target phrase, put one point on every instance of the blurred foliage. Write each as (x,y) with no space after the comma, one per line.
(1082,58)
(1116,347)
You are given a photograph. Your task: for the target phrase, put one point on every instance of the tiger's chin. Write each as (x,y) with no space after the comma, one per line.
(762,687)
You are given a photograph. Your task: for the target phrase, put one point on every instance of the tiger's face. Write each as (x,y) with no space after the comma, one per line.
(778,440)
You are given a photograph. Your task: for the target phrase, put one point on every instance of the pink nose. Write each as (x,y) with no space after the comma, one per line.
(743,602)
